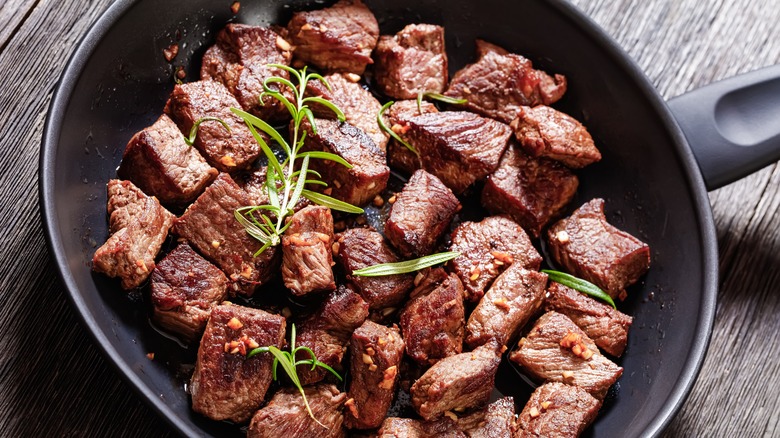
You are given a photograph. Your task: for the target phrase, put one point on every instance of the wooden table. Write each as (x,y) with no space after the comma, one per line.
(53,382)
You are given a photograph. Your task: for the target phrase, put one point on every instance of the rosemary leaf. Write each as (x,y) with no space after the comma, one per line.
(407,266)
(328,104)
(251,120)
(194,131)
(579,284)
(445,99)
(327,156)
(332,203)
(392,133)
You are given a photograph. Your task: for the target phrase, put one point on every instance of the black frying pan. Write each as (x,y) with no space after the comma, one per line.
(117,82)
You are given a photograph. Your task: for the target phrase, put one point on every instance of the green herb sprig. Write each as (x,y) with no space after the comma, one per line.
(438,96)
(579,284)
(383,125)
(405,267)
(194,130)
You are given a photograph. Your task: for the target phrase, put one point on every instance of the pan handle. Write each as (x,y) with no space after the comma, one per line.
(733,126)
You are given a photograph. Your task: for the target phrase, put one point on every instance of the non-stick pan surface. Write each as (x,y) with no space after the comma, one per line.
(117,82)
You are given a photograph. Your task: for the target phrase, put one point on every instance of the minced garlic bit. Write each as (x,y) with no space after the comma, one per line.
(451,415)
(501,304)
(418,278)
(367,359)
(215,244)
(575,343)
(502,257)
(370,351)
(475,272)
(350,404)
(378,201)
(568,374)
(372,367)
(150,356)
(170,52)
(282,44)
(234,323)
(562,236)
(546,404)
(389,378)
(392,199)
(235,7)
(534,412)
(352,77)
(337,183)
(228,161)
(504,348)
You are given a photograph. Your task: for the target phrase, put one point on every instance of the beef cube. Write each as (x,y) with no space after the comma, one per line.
(458,382)
(497,420)
(420,215)
(545,132)
(412,61)
(239,60)
(185,287)
(556,410)
(532,191)
(606,326)
(306,252)
(376,352)
(432,320)
(486,249)
(557,350)
(160,163)
(587,246)
(226,150)
(399,157)
(506,307)
(457,146)
(286,416)
(358,248)
(369,173)
(226,385)
(394,427)
(210,226)
(499,83)
(138,226)
(253,183)
(335,39)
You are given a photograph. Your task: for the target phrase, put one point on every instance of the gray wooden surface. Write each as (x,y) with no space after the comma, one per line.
(53,382)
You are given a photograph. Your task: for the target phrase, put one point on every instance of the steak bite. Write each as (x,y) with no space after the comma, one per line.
(185,287)
(226,385)
(412,61)
(394,427)
(546,132)
(556,410)
(306,252)
(487,248)
(399,157)
(420,215)
(606,326)
(587,246)
(376,352)
(286,416)
(253,183)
(499,83)
(557,350)
(160,163)
(138,226)
(457,382)
(335,39)
(210,226)
(497,420)
(226,150)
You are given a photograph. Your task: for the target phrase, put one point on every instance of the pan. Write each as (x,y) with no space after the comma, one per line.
(658,162)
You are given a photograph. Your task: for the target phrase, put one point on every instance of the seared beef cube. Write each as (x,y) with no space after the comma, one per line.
(159,162)
(358,248)
(210,226)
(587,246)
(376,352)
(545,132)
(369,173)
(226,385)
(457,382)
(394,427)
(286,416)
(532,191)
(557,350)
(420,215)
(486,249)
(307,256)
(497,420)
(432,320)
(499,83)
(338,38)
(412,61)
(399,157)
(139,226)
(227,151)
(253,183)
(606,326)
(556,410)
(457,146)
(506,307)
(185,287)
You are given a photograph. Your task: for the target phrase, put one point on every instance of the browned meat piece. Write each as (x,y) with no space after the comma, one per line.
(412,61)
(457,146)
(486,249)
(394,427)
(226,385)
(138,226)
(606,326)
(306,252)
(506,307)
(185,287)
(253,184)
(376,352)
(545,132)
(227,151)
(587,246)
(338,38)
(497,420)
(533,191)
(369,173)
(557,350)
(159,162)
(211,227)
(432,320)
(399,157)
(499,83)
(286,416)
(420,215)
(556,410)
(239,60)
(458,382)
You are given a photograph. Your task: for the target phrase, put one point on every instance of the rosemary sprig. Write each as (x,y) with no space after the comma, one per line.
(579,284)
(194,130)
(405,267)
(392,133)
(439,97)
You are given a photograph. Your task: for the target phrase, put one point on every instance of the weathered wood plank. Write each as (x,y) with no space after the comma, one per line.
(12,14)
